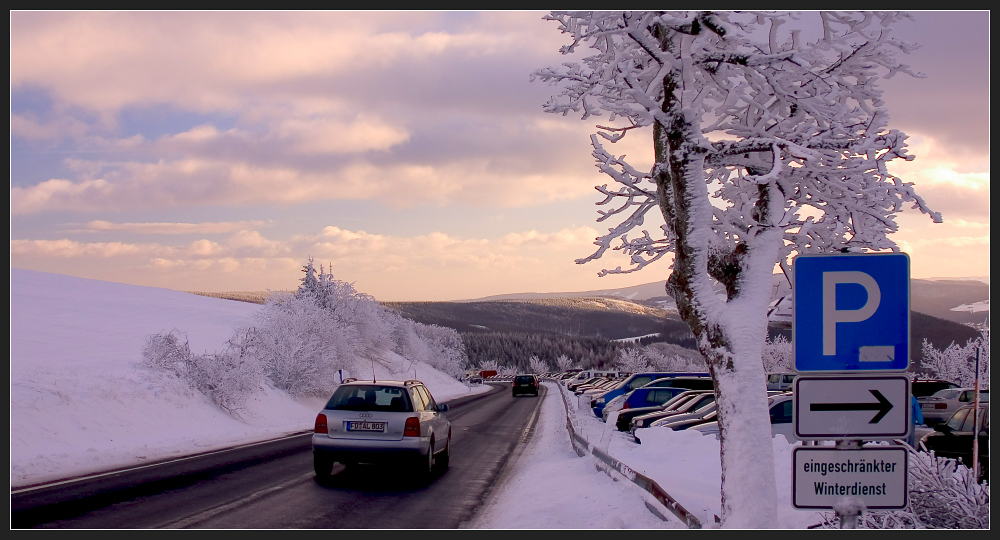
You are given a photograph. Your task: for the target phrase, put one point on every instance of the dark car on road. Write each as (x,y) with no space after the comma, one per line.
(524,384)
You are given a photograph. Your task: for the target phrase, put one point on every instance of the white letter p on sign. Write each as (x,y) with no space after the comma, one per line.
(832,316)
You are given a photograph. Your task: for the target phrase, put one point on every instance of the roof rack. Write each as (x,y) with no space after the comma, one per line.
(413,381)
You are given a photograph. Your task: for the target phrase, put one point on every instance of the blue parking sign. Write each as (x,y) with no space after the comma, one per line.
(851,312)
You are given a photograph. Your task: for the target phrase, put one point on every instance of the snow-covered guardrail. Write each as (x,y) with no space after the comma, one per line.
(607,463)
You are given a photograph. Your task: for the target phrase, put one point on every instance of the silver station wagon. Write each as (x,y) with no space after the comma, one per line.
(386,422)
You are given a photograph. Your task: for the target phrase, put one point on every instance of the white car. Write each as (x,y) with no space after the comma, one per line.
(780,407)
(613,405)
(382,422)
(938,407)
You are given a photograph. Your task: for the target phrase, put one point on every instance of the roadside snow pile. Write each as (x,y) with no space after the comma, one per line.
(686,465)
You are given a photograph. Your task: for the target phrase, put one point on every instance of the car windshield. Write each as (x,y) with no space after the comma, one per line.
(947,393)
(524,379)
(370,397)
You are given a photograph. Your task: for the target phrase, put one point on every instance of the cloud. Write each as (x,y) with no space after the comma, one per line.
(173,228)
(72,249)
(359,250)
(332,136)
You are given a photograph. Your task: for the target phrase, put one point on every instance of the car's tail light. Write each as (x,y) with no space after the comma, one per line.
(320,424)
(412,427)
(625,406)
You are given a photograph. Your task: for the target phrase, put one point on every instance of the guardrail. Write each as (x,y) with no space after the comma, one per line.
(607,463)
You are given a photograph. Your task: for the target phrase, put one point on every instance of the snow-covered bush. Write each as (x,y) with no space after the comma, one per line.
(302,345)
(563,363)
(444,346)
(300,341)
(957,363)
(632,360)
(943,494)
(536,366)
(228,378)
(778,355)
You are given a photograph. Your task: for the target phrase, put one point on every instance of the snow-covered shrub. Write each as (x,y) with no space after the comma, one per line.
(563,363)
(444,346)
(943,494)
(778,355)
(632,360)
(490,365)
(228,378)
(957,363)
(536,366)
(301,345)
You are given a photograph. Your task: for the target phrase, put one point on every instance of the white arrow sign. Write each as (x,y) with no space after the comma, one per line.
(852,407)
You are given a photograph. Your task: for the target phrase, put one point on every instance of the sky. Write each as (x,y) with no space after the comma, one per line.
(406,152)
(103,399)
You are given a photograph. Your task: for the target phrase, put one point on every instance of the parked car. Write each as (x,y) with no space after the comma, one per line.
(524,384)
(697,417)
(597,387)
(625,417)
(942,405)
(642,401)
(617,402)
(780,410)
(390,422)
(573,384)
(588,374)
(632,382)
(953,439)
(780,381)
(927,387)
(668,409)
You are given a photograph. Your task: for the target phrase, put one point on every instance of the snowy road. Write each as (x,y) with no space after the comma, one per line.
(280,490)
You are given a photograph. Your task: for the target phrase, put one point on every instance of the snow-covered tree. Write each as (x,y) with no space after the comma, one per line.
(536,366)
(769,139)
(563,363)
(444,346)
(957,363)
(631,360)
(302,345)
(778,355)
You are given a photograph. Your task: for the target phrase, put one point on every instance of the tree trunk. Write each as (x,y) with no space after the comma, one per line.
(730,333)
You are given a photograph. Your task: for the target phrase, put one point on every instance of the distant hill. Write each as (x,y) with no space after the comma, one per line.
(642,310)
(963,301)
(603,317)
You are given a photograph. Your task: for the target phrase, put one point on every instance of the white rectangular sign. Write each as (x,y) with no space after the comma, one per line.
(821,477)
(852,407)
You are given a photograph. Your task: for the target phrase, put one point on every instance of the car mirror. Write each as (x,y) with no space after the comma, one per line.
(442,407)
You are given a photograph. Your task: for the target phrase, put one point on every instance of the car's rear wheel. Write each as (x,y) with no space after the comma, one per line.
(425,467)
(323,466)
(443,459)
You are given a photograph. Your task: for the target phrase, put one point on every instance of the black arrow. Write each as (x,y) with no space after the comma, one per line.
(883,406)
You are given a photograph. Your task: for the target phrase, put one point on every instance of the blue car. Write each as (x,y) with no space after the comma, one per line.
(637,380)
(649,396)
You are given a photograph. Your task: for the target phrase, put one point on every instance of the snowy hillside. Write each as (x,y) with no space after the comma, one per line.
(75,347)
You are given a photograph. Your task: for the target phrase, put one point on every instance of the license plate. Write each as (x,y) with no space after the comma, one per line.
(366,426)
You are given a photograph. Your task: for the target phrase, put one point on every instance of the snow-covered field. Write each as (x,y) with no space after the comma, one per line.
(75,376)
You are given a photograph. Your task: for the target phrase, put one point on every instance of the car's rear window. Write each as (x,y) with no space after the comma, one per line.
(370,398)
(524,379)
